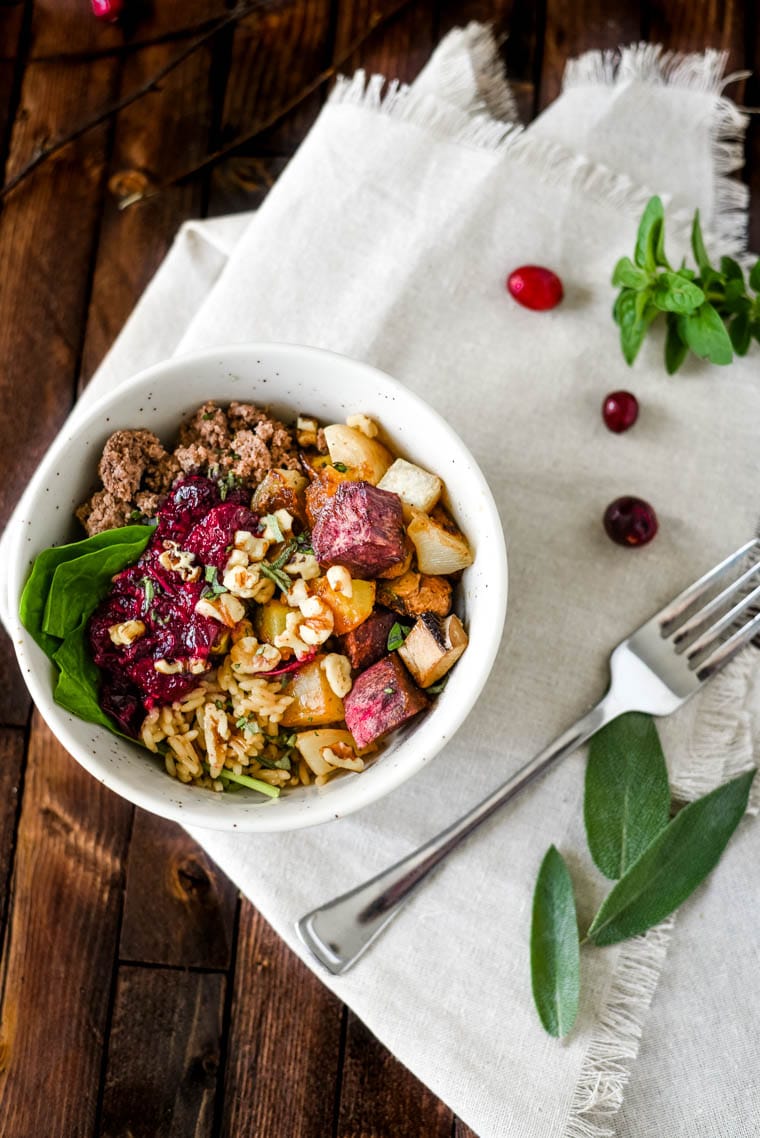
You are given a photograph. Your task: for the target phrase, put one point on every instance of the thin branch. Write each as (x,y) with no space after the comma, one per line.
(377,20)
(238,13)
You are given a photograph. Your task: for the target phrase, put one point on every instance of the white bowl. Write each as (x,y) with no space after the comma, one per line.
(287,379)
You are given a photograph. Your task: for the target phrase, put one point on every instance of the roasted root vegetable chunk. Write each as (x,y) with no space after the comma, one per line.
(349,609)
(382,698)
(433,647)
(417,488)
(281,490)
(438,549)
(271,620)
(361,528)
(328,748)
(368,643)
(352,448)
(314,701)
(415,593)
(322,487)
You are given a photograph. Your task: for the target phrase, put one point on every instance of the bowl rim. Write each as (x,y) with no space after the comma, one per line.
(264,819)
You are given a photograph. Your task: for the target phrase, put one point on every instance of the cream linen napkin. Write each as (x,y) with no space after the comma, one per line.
(388,238)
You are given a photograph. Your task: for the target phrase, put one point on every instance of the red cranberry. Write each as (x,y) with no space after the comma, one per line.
(630,521)
(535,287)
(620,411)
(107,10)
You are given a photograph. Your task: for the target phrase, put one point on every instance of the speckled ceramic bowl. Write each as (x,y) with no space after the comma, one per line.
(287,379)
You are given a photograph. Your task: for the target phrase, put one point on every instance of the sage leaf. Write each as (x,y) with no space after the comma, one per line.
(698,245)
(627,796)
(674,293)
(35,594)
(672,867)
(554,947)
(627,275)
(754,277)
(706,335)
(649,235)
(675,349)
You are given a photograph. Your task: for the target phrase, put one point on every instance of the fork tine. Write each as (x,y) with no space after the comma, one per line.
(728,649)
(714,606)
(710,635)
(687,598)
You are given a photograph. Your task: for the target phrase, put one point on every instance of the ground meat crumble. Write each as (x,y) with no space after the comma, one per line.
(136,471)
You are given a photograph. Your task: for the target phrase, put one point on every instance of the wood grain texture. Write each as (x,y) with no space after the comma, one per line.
(60,947)
(399,49)
(575,26)
(47,235)
(11,766)
(133,242)
(163,1055)
(179,909)
(379,1096)
(284,1041)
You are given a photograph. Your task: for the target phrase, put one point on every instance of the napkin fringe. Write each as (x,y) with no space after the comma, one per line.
(721,746)
(485,73)
(616,1035)
(703,73)
(484,132)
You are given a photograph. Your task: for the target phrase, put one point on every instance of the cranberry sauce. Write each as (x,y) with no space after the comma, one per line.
(164,599)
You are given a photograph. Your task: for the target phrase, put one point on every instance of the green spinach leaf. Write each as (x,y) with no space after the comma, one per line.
(79,585)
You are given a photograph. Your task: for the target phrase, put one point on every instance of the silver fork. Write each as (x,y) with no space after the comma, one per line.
(654,670)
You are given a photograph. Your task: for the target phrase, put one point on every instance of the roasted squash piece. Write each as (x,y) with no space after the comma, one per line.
(323,487)
(269,620)
(349,612)
(433,647)
(439,550)
(415,593)
(314,701)
(367,457)
(281,490)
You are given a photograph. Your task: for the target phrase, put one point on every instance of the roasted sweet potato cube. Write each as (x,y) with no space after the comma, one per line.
(415,593)
(368,643)
(433,647)
(361,528)
(321,488)
(382,698)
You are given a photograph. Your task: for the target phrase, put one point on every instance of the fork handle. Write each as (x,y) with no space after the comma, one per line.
(339,932)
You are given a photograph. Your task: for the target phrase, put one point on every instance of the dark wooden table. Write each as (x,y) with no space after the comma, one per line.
(141,996)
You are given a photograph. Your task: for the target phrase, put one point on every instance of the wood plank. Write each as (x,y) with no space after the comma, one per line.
(274,55)
(47,228)
(681,25)
(284,1041)
(134,241)
(11,765)
(399,49)
(179,909)
(60,947)
(380,1096)
(12,58)
(575,26)
(517,24)
(163,1054)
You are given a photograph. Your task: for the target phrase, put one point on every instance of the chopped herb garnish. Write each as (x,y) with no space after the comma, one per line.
(398,635)
(229,482)
(135,515)
(303,542)
(389,691)
(281,579)
(253,783)
(272,522)
(209,415)
(341,466)
(436,689)
(244,723)
(214,587)
(149,590)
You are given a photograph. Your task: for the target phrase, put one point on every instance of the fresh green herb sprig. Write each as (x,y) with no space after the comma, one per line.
(708,311)
(656,862)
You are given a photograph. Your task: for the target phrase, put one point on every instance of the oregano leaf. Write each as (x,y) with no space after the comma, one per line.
(754,277)
(675,349)
(627,275)
(732,270)
(649,234)
(706,335)
(739,331)
(698,245)
(673,293)
(627,796)
(554,947)
(677,861)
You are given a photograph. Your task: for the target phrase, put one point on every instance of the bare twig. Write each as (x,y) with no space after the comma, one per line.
(238,13)
(377,20)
